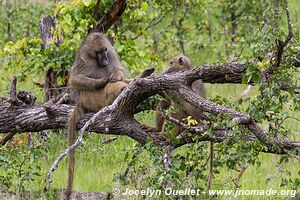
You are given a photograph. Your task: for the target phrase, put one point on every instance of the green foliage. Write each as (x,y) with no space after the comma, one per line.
(20,166)
(22,17)
(187,169)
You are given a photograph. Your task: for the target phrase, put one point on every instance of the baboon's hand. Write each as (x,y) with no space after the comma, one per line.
(107,80)
(116,77)
(101,83)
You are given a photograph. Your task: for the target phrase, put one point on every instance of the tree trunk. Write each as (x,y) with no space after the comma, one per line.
(9,20)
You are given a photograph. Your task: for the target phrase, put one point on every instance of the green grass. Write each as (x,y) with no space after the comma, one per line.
(97,163)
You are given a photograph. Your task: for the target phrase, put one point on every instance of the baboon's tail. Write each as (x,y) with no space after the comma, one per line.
(73,121)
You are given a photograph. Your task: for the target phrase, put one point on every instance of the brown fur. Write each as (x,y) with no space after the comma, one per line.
(179,63)
(93,101)
(96,80)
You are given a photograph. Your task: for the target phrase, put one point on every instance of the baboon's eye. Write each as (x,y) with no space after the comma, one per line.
(171,63)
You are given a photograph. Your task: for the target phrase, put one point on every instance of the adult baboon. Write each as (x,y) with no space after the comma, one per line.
(179,63)
(96,79)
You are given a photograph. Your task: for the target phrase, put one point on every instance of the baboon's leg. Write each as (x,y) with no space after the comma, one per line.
(159,120)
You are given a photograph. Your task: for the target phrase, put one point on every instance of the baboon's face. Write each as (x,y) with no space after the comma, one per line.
(98,47)
(102,57)
(178,63)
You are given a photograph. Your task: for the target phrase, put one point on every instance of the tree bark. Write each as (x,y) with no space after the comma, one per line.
(9,19)
(50,84)
(114,13)
(118,118)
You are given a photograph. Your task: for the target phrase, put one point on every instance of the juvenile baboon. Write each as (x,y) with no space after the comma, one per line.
(179,63)
(96,79)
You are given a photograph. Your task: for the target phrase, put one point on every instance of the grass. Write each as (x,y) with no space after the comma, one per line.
(96,163)
(95,166)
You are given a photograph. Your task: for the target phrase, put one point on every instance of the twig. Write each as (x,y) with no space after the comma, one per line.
(289,117)
(109,140)
(236,181)
(280,47)
(79,140)
(199,129)
(206,161)
(153,23)
(13,93)
(6,138)
(246,91)
(157,20)
(166,158)
(135,155)
(211,165)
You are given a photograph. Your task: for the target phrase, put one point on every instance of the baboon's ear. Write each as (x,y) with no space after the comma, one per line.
(180,60)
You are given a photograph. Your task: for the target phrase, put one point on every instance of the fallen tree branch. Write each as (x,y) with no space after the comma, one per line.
(122,110)
(118,118)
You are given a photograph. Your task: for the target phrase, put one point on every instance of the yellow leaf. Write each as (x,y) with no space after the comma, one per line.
(77,2)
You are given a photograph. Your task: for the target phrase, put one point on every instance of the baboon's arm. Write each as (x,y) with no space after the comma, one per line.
(85,83)
(199,88)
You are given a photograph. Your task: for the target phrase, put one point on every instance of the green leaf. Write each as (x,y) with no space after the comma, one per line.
(120,48)
(86,2)
(176,164)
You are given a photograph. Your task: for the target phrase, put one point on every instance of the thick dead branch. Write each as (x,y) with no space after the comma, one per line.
(13,92)
(118,118)
(97,10)
(51,87)
(23,98)
(111,16)
(46,24)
